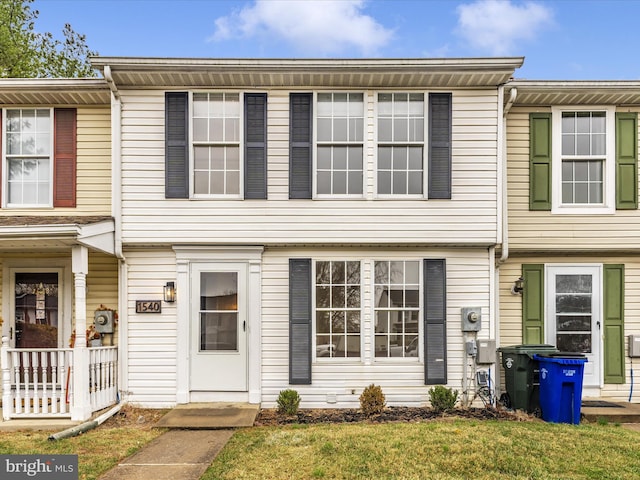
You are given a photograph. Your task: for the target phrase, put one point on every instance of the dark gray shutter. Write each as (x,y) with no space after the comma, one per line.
(440,145)
(435,324)
(176,135)
(255,146)
(300,321)
(300,144)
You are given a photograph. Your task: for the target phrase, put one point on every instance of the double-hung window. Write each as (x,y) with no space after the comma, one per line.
(397,308)
(27,157)
(216,144)
(338,308)
(401,135)
(340,137)
(584,163)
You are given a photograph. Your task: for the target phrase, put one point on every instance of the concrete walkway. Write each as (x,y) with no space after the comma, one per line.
(176,454)
(198,431)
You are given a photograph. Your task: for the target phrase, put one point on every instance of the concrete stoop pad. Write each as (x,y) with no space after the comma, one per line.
(210,416)
(176,454)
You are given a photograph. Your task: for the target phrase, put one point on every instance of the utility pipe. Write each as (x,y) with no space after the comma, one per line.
(86,426)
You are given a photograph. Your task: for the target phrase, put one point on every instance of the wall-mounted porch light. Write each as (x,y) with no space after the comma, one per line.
(518,286)
(170,292)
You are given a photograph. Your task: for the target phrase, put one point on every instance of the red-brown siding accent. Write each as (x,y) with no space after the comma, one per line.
(64,162)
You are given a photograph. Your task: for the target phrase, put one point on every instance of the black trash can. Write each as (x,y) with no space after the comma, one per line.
(522,376)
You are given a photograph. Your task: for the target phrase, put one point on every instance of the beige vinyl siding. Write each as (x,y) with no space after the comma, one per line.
(511,305)
(149,217)
(541,230)
(102,288)
(151,344)
(402,381)
(93,167)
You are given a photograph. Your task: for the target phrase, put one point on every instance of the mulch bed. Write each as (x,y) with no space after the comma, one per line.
(270,417)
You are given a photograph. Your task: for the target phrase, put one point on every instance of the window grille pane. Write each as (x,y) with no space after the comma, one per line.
(337,306)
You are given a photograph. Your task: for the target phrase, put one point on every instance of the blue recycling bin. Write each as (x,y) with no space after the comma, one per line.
(561,377)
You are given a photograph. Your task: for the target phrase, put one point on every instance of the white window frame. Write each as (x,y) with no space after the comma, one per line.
(347,143)
(193,144)
(5,166)
(340,359)
(424,144)
(388,359)
(608,171)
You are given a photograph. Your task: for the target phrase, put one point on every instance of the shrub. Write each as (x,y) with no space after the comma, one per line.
(372,400)
(288,402)
(442,398)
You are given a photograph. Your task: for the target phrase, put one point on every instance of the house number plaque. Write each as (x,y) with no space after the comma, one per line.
(148,306)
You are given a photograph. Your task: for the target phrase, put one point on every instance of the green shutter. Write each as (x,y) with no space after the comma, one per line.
(626,161)
(614,324)
(533,304)
(540,161)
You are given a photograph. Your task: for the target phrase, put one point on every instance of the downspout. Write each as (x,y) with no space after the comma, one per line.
(116,196)
(502,175)
(504,220)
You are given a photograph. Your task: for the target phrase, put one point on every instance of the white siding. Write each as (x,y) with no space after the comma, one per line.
(149,217)
(401,382)
(151,366)
(152,346)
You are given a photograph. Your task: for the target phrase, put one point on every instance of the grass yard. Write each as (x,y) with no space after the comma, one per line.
(447,449)
(99,449)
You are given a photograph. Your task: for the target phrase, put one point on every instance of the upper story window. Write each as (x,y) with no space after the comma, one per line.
(340,144)
(584,163)
(27,162)
(216,144)
(401,134)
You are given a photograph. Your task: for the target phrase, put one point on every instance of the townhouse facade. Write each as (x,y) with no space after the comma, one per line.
(572,176)
(256,225)
(323,222)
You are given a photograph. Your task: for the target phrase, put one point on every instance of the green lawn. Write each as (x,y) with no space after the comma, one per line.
(448,449)
(98,450)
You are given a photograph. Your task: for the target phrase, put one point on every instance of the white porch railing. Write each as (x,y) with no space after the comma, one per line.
(39,382)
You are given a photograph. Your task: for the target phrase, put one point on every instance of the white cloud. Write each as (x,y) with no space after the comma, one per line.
(496,26)
(313,27)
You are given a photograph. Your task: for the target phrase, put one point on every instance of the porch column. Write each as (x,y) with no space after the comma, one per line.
(81,404)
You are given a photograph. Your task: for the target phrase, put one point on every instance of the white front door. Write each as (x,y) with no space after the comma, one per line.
(218,327)
(574,314)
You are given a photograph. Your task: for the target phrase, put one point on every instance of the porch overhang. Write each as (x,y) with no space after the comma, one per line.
(54,91)
(553,93)
(308,73)
(24,233)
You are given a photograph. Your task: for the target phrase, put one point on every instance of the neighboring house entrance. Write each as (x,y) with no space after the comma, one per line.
(35,308)
(574,318)
(218,339)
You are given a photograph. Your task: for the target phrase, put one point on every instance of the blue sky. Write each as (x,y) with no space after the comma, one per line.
(560,40)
